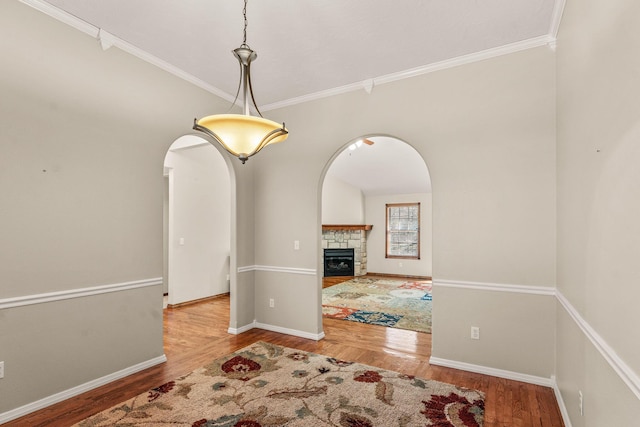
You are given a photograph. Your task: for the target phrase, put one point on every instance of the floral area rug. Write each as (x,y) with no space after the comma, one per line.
(392,303)
(265,385)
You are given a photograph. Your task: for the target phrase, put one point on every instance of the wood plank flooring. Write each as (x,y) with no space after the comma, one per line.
(196,334)
(334,280)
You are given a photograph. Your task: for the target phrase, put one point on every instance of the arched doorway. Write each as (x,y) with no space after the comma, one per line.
(361,182)
(197,228)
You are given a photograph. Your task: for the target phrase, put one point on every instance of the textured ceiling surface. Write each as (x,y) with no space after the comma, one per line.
(310,46)
(388,166)
(307,48)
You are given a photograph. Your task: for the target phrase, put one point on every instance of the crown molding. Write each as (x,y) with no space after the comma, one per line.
(63,16)
(108,40)
(556,18)
(418,71)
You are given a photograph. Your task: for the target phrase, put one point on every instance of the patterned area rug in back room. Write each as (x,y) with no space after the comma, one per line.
(394,303)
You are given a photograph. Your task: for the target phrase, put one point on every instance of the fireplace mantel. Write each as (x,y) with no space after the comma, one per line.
(365,227)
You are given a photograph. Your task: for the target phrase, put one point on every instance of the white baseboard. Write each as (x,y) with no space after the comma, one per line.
(510,375)
(620,367)
(241,329)
(294,332)
(563,407)
(75,391)
(501,373)
(279,329)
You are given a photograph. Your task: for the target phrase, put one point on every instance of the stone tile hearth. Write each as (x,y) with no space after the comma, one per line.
(348,238)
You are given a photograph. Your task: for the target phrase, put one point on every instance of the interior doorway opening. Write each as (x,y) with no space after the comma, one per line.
(360,183)
(197,225)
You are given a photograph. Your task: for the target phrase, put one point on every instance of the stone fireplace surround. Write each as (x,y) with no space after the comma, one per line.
(348,236)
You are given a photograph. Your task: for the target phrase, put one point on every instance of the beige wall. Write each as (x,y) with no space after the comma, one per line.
(599,207)
(242,243)
(83,134)
(516,331)
(488,132)
(52,347)
(200,214)
(375,209)
(342,203)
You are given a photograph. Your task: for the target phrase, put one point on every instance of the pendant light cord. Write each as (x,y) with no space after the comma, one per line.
(244,14)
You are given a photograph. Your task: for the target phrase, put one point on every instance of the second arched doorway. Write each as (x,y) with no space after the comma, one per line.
(377,216)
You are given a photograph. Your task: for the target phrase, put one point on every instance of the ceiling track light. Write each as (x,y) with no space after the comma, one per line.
(242,135)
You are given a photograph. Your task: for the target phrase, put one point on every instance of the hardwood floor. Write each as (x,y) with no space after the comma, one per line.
(196,334)
(334,280)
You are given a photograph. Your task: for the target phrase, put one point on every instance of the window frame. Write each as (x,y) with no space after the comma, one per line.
(388,232)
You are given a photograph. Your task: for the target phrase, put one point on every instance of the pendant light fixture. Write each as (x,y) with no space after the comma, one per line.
(242,135)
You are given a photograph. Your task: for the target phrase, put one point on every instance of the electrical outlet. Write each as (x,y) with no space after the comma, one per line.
(475,333)
(296,245)
(1,369)
(272,303)
(580,402)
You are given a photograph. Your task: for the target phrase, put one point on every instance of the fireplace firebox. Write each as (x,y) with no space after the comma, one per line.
(339,262)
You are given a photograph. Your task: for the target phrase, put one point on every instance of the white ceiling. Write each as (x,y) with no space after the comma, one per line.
(389,166)
(309,49)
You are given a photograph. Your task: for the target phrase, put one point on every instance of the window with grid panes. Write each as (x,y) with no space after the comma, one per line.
(403,230)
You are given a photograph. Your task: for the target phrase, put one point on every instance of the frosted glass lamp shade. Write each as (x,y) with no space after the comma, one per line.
(242,135)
